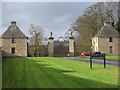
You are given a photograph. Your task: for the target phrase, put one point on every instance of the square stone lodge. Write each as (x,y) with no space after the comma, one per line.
(106,40)
(14,42)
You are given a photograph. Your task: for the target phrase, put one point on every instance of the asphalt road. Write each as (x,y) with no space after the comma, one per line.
(96,61)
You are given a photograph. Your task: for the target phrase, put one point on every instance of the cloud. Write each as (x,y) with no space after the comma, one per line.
(51,16)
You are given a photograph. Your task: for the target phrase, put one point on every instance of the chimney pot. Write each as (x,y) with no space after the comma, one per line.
(107,23)
(13,22)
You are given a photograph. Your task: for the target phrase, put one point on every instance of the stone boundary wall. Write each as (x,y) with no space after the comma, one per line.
(0,54)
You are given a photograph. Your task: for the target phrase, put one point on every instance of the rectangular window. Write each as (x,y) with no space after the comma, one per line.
(110,39)
(13,40)
(13,50)
(110,49)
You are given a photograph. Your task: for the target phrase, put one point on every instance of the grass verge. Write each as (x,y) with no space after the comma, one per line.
(49,72)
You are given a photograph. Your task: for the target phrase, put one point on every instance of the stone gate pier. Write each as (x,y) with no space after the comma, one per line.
(50,45)
(59,47)
(71,45)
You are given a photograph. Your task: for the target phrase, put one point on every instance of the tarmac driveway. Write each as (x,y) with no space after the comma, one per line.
(96,61)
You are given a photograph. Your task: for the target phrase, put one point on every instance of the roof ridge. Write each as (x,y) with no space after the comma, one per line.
(107,31)
(13,31)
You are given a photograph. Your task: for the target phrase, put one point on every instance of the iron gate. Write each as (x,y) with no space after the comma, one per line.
(61,49)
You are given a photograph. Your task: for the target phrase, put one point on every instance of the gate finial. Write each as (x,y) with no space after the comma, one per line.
(51,34)
(71,34)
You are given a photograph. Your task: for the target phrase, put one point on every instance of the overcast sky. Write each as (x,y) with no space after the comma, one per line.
(56,17)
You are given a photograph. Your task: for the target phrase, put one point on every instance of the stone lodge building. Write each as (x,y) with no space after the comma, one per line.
(14,42)
(106,40)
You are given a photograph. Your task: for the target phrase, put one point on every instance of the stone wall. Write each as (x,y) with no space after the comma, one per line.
(71,47)
(0,42)
(0,48)
(51,48)
(20,46)
(102,45)
(0,54)
(95,44)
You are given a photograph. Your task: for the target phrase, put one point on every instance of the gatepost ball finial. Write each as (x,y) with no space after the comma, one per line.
(51,34)
(71,33)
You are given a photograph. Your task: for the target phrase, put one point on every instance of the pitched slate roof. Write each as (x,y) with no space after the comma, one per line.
(107,31)
(13,31)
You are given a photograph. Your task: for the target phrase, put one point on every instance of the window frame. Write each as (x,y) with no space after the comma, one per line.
(110,39)
(13,50)
(110,49)
(13,40)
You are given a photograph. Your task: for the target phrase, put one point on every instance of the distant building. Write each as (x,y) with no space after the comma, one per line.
(14,42)
(106,40)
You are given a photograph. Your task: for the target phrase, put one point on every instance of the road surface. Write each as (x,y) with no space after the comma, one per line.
(96,61)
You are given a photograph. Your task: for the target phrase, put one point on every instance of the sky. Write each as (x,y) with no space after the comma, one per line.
(51,16)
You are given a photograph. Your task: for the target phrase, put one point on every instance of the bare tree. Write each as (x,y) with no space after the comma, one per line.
(36,40)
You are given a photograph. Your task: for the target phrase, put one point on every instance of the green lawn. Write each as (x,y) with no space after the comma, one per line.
(49,72)
(107,57)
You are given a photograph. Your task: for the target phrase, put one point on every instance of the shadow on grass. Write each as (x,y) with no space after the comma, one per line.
(56,78)
(80,82)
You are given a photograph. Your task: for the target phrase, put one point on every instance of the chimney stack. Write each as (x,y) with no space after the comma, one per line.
(13,23)
(106,23)
(109,23)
